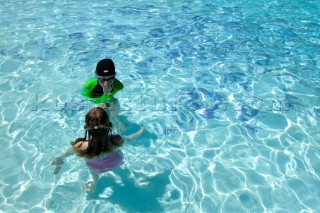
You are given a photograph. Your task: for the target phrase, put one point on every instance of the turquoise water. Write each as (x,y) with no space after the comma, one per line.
(229,93)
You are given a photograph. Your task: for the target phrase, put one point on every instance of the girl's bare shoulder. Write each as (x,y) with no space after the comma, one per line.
(80,145)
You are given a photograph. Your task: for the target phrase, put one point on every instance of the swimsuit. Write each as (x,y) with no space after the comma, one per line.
(106,163)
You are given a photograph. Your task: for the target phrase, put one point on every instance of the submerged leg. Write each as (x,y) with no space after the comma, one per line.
(91,185)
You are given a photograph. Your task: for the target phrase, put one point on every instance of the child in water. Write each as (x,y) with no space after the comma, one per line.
(99,147)
(102,87)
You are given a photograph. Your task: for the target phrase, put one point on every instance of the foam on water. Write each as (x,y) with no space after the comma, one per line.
(228,91)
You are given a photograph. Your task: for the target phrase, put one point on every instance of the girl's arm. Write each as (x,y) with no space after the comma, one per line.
(136,134)
(58,161)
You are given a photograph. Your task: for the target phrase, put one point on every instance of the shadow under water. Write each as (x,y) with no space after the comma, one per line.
(131,196)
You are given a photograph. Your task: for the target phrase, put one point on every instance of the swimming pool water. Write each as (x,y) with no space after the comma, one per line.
(228,90)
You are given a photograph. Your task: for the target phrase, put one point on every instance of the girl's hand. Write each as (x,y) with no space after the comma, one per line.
(136,134)
(57,161)
(102,105)
(57,170)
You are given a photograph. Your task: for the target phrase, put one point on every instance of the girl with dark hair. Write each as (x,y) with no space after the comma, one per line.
(99,146)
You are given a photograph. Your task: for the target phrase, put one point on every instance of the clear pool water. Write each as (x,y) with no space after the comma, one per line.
(228,90)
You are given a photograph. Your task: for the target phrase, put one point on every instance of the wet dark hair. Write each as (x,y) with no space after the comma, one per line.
(99,134)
